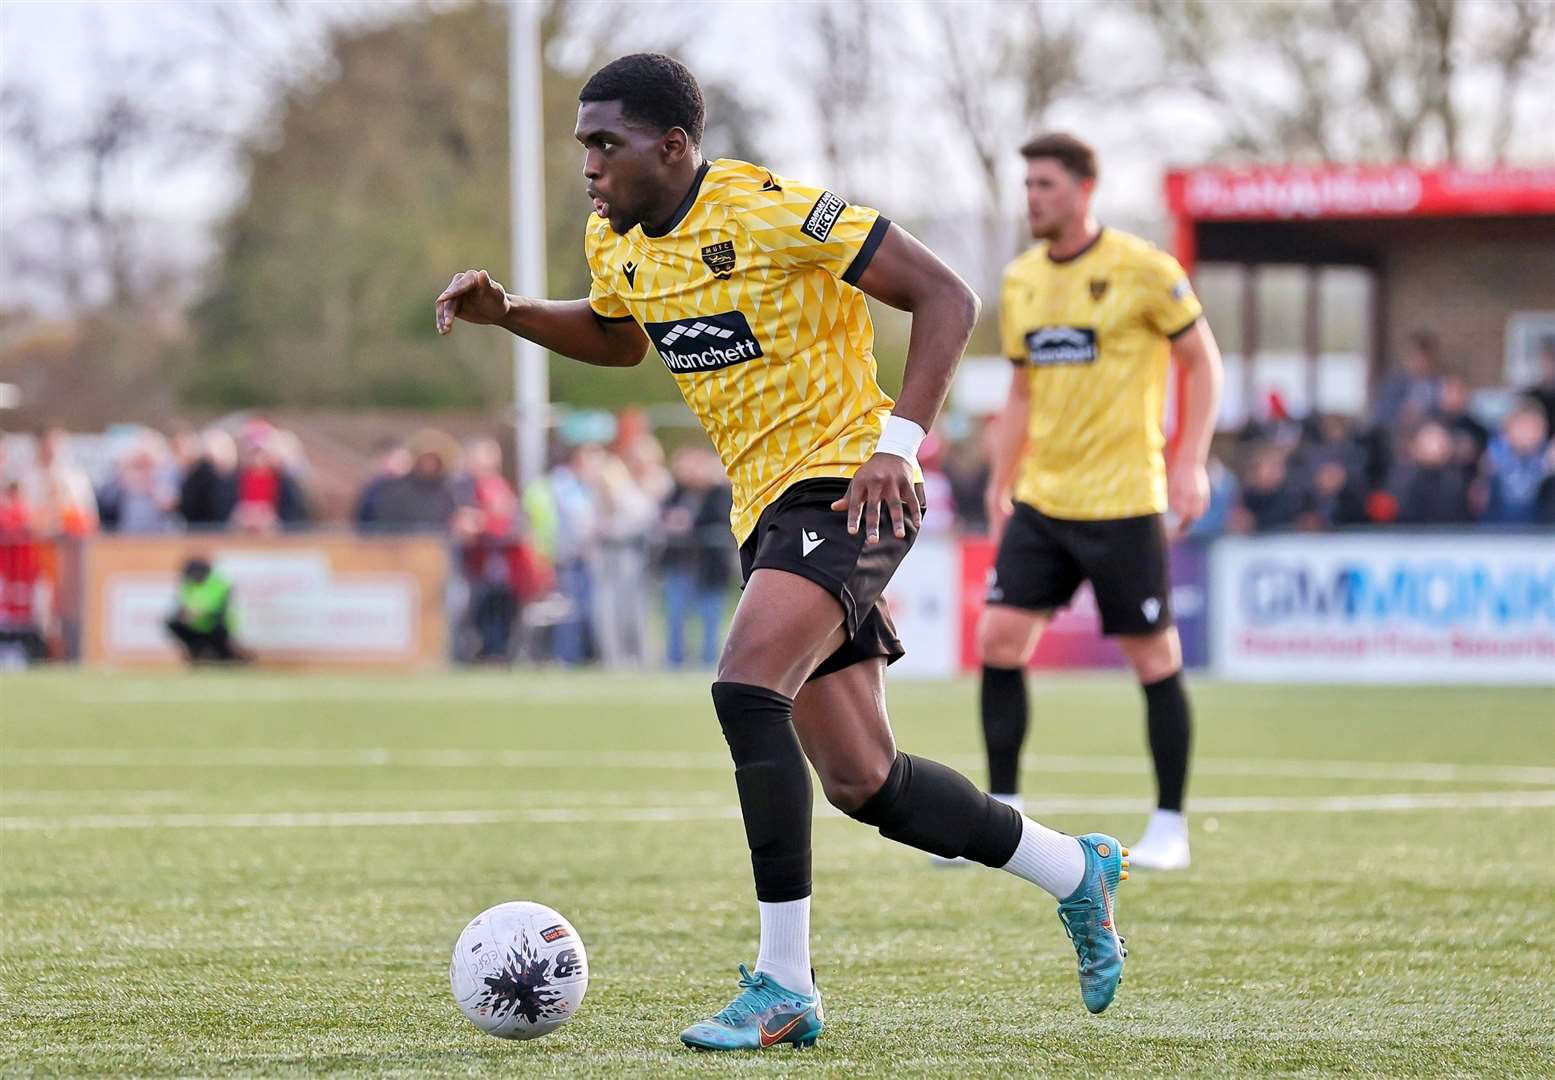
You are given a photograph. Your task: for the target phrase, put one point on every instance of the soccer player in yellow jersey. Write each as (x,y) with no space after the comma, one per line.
(1090,317)
(750,286)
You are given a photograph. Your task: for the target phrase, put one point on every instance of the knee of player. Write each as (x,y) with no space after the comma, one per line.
(760,665)
(733,668)
(1001,649)
(1154,657)
(852,783)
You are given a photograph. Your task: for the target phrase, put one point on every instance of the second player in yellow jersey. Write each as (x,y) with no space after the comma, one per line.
(1092,332)
(1094,318)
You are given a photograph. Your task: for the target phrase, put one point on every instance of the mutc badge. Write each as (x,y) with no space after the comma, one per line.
(719,258)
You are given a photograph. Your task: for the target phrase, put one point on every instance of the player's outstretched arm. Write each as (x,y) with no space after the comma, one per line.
(907,275)
(1009,443)
(1187,482)
(569,327)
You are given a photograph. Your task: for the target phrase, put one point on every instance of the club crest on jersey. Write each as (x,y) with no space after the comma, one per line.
(1098,288)
(719,258)
(704,342)
(823,215)
(1053,345)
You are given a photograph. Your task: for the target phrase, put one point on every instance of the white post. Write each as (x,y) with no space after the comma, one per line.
(526,165)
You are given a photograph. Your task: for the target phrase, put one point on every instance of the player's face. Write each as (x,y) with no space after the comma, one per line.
(625,166)
(1055,197)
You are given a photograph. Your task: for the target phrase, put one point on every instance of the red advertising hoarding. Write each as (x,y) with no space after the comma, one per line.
(1340,192)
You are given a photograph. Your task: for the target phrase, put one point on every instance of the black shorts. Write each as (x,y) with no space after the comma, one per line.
(1042,561)
(802,534)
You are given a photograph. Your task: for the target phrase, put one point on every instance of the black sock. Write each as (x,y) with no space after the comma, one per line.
(774,785)
(927,806)
(1003,702)
(1169,724)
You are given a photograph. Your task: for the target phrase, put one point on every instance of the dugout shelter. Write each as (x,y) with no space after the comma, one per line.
(1468,254)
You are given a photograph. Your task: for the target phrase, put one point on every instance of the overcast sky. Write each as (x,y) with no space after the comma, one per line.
(62,49)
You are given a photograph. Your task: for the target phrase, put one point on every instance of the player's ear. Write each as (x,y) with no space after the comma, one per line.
(675,145)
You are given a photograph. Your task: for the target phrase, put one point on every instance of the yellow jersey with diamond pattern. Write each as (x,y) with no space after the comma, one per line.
(749,297)
(1093,334)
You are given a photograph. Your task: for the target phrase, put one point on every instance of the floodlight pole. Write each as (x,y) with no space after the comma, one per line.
(526,166)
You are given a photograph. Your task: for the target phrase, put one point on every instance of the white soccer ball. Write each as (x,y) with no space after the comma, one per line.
(519,970)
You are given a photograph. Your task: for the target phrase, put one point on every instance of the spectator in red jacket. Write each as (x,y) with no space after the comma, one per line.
(265,495)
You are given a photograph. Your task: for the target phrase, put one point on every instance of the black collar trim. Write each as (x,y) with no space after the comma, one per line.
(685,206)
(1071,258)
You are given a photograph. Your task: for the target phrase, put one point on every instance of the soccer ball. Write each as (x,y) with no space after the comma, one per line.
(519,970)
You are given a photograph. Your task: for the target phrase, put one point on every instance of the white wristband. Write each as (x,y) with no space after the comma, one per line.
(901,437)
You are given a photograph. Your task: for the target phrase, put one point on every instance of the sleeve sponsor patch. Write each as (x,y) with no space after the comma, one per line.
(1182,290)
(823,215)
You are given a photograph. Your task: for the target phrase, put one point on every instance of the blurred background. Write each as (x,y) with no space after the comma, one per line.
(222,226)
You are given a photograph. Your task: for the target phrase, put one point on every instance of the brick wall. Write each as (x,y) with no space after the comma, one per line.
(1462,279)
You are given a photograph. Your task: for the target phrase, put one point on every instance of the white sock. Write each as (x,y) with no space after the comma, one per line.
(1015,802)
(1052,861)
(785,944)
(1169,822)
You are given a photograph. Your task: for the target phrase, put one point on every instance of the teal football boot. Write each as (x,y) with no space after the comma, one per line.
(1089,918)
(764,1014)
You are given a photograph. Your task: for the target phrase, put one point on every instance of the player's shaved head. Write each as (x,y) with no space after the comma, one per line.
(655,91)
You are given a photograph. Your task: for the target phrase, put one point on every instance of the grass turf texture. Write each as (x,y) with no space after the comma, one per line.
(171,908)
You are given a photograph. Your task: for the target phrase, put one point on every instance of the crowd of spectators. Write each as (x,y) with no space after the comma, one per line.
(575,567)
(1422,458)
(154,483)
(574,570)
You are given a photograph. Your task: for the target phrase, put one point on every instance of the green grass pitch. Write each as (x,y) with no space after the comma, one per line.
(262,874)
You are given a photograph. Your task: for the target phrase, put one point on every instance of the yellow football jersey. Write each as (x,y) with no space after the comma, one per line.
(1093,333)
(749,297)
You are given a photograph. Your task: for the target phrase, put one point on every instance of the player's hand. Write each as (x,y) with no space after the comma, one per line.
(997,506)
(884,478)
(472,296)
(1187,494)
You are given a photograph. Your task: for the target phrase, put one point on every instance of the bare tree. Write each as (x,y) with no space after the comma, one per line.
(77,227)
(845,77)
(1520,51)
(1355,79)
(1000,72)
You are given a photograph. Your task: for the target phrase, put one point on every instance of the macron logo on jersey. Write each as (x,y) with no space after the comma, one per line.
(1061,345)
(704,343)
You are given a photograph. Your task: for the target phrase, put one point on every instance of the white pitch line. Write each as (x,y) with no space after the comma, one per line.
(246,757)
(368,818)
(12,798)
(1322,804)
(306,692)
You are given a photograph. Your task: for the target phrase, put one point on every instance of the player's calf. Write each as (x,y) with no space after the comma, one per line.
(925,805)
(774,786)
